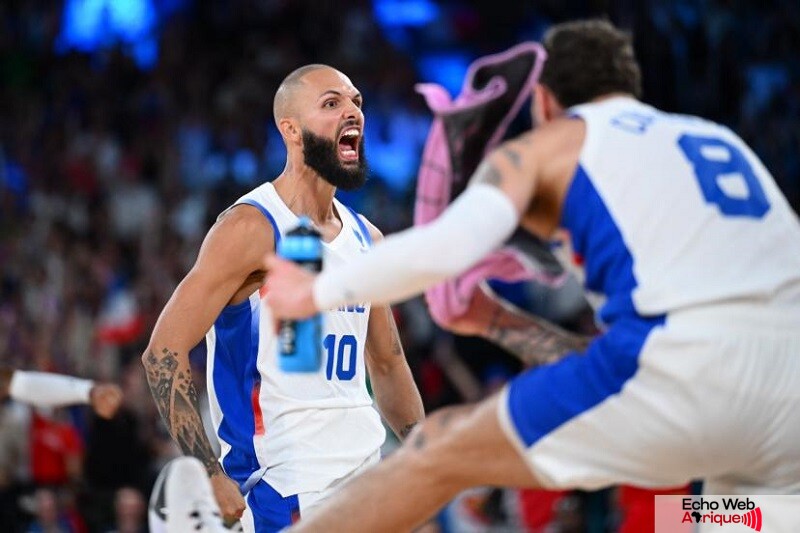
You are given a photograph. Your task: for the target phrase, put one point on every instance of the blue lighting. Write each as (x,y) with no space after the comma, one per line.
(145,52)
(448,69)
(91,25)
(414,13)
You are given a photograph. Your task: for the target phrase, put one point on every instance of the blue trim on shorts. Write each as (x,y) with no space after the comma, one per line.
(268,216)
(271,511)
(542,399)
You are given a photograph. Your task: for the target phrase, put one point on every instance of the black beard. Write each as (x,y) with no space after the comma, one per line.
(322,155)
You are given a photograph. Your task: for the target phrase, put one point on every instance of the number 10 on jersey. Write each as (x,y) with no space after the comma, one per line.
(343,350)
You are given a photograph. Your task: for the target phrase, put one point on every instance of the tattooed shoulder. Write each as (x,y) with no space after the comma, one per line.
(513,155)
(487,173)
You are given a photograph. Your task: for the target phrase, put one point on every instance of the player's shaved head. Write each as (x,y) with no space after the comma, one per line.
(282,106)
(313,106)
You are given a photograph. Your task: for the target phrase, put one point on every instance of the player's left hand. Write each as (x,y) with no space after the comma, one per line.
(289,289)
(105,399)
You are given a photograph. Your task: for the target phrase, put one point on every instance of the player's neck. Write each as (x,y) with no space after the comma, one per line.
(610,96)
(305,193)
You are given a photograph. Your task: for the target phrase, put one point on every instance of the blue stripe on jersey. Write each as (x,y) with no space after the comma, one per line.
(542,399)
(235,374)
(361,226)
(269,217)
(595,236)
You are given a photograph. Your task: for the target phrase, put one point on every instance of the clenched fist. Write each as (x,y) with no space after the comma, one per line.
(230,500)
(105,399)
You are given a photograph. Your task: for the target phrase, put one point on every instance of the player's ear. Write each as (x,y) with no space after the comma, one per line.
(538,105)
(290,131)
(546,106)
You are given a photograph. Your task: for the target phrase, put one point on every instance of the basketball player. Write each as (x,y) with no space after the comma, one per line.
(43,389)
(287,440)
(682,229)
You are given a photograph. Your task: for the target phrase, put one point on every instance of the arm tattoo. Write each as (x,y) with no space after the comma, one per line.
(446,417)
(406,431)
(536,342)
(397,346)
(512,155)
(419,440)
(487,173)
(160,376)
(177,401)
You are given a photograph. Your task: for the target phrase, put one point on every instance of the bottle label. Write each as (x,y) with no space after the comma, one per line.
(287,336)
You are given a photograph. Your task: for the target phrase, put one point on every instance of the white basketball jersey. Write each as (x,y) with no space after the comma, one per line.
(305,429)
(668,212)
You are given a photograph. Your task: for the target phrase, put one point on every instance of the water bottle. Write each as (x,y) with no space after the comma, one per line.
(300,341)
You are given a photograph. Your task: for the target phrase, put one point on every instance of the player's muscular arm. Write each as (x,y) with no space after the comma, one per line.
(232,251)
(512,168)
(396,394)
(535,169)
(533,340)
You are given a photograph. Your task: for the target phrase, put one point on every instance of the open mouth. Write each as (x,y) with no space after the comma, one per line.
(348,144)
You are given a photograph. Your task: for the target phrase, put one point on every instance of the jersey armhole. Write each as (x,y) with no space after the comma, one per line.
(363,227)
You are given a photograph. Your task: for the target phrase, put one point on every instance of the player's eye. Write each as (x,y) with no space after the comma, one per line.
(330,104)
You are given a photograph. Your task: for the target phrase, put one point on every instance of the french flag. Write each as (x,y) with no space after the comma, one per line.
(120,321)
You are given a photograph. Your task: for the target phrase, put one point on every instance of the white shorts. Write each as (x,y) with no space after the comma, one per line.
(269,511)
(656,402)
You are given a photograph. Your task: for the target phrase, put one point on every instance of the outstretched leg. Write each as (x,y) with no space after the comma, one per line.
(454,449)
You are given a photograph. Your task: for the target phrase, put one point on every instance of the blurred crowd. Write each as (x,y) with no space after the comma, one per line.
(110,175)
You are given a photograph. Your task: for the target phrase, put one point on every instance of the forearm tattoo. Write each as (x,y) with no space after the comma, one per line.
(407,429)
(535,342)
(176,398)
(397,345)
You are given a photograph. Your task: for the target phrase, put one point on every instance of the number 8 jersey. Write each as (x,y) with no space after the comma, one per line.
(673,212)
(299,431)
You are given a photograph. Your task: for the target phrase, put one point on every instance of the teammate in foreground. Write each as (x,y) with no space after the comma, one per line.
(682,229)
(288,440)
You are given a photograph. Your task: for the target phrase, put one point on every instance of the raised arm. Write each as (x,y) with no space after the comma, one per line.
(396,394)
(231,257)
(479,221)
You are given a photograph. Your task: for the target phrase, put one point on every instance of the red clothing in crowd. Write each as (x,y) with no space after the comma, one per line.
(53,445)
